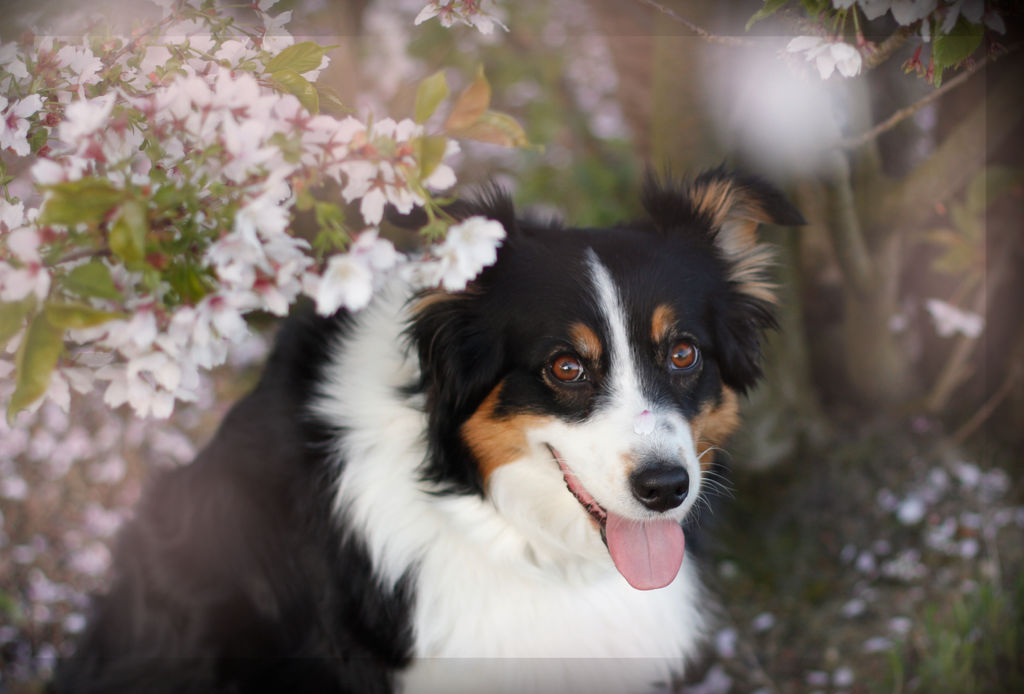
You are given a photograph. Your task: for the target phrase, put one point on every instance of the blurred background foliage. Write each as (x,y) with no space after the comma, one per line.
(863,394)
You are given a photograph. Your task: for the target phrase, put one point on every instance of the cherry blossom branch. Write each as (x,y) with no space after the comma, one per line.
(907,111)
(888,47)
(82,254)
(844,226)
(968,428)
(700,31)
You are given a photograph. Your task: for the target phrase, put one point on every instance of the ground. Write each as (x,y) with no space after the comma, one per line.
(888,561)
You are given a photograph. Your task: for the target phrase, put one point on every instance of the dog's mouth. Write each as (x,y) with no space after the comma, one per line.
(648,553)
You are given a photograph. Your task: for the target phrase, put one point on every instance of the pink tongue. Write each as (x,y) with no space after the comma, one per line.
(647,553)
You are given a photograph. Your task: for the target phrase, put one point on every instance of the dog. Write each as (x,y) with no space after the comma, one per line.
(478,491)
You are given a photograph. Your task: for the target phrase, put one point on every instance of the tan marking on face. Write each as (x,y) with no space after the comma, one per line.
(713,425)
(662,322)
(497,440)
(585,341)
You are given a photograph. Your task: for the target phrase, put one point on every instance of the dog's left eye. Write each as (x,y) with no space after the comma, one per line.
(684,356)
(567,369)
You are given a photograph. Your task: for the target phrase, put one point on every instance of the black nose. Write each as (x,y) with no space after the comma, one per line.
(660,486)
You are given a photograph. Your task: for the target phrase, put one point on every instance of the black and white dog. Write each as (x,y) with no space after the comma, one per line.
(478,491)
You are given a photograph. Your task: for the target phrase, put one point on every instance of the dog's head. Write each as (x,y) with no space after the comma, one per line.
(581,381)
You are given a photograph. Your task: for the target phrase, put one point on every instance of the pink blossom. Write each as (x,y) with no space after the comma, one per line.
(84,118)
(14,124)
(81,61)
(11,62)
(12,215)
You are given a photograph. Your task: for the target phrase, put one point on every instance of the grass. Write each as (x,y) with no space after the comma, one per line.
(973,645)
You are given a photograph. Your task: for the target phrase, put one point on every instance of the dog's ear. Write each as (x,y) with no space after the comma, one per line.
(460,361)
(726,209)
(491,201)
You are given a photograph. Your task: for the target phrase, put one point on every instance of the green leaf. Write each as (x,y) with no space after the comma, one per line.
(431,151)
(990,184)
(814,7)
(429,95)
(330,97)
(12,317)
(37,357)
(497,128)
(291,82)
(77,316)
(952,49)
(187,281)
(471,104)
(770,8)
(37,139)
(299,57)
(87,200)
(966,223)
(329,215)
(91,280)
(128,233)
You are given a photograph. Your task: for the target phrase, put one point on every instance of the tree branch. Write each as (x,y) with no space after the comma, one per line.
(887,47)
(844,226)
(698,30)
(907,111)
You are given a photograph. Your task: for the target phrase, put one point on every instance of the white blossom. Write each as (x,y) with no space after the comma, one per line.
(81,61)
(469,247)
(949,319)
(347,281)
(12,215)
(873,9)
(11,62)
(468,12)
(14,123)
(84,118)
(907,12)
(827,55)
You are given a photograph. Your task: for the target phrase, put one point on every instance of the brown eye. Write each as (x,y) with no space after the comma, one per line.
(683,356)
(567,369)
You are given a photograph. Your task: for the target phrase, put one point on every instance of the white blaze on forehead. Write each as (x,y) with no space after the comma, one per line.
(624,381)
(629,422)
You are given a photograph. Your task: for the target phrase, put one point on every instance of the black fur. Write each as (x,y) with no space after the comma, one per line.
(233,578)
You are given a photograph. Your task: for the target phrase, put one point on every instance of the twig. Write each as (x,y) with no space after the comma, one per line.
(907,111)
(886,48)
(852,253)
(80,254)
(986,410)
(700,31)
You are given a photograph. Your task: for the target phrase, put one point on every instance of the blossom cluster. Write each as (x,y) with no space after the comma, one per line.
(171,166)
(474,13)
(933,19)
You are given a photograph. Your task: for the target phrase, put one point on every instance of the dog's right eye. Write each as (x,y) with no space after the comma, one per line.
(567,369)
